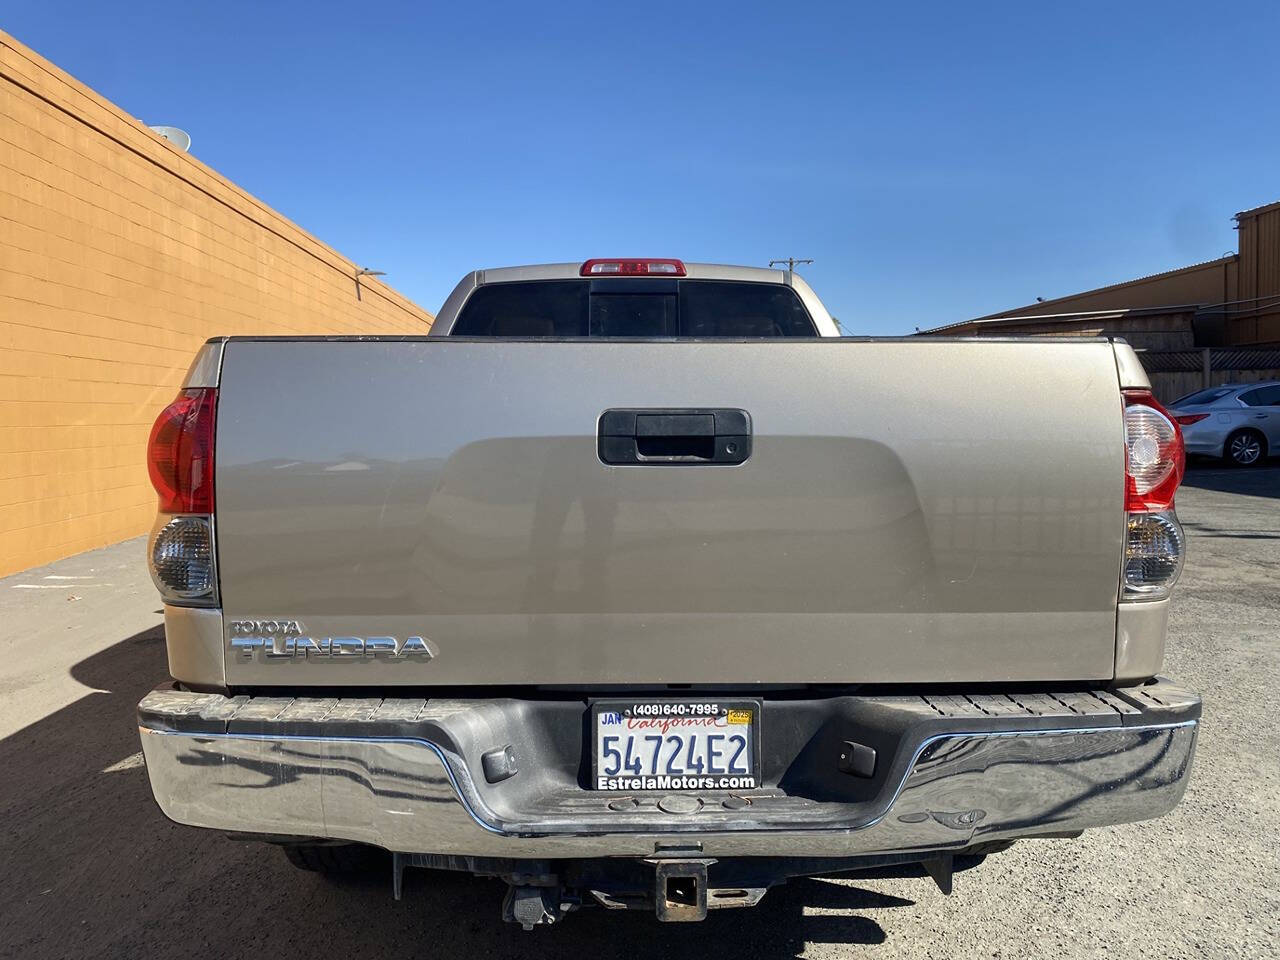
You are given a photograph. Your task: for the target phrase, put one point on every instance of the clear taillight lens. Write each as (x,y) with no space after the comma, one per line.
(182,561)
(1153,552)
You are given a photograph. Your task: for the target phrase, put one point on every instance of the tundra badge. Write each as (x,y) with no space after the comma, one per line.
(285,640)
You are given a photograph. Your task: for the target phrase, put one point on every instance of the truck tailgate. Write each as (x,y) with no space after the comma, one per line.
(911,511)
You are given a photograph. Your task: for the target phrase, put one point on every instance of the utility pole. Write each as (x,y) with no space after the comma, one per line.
(790,262)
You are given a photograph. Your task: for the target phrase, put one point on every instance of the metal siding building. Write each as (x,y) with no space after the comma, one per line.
(1207,323)
(1254,317)
(1157,312)
(1231,301)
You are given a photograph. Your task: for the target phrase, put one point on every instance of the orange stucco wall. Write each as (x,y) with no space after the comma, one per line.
(119,256)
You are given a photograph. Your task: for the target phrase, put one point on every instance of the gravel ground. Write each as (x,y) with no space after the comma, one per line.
(89,867)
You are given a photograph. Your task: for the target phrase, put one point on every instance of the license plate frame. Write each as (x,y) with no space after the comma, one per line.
(683,716)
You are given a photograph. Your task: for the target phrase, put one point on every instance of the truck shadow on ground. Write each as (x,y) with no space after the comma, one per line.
(92,868)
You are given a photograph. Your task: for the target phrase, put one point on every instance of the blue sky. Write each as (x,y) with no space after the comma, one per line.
(938,161)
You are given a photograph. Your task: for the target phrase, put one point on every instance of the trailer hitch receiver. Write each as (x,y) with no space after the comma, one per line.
(680,890)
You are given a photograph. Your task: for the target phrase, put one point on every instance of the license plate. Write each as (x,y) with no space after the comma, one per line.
(675,745)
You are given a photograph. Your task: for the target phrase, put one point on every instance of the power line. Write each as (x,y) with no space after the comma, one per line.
(790,262)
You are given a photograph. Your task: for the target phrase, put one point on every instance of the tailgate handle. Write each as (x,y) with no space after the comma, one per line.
(678,436)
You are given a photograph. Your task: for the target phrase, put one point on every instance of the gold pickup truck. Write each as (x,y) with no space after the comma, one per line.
(637,586)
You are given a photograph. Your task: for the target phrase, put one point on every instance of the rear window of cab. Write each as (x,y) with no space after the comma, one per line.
(624,307)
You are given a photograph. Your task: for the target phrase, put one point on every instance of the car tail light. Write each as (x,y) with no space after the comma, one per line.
(1154,454)
(1187,419)
(632,268)
(1154,462)
(182,562)
(180,452)
(180,462)
(1153,553)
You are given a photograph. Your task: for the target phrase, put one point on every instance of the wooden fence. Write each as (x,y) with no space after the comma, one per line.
(1175,373)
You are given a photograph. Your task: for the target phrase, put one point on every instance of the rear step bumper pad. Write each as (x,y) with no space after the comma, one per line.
(405,775)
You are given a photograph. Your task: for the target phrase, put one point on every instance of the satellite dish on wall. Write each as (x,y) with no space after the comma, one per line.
(179,138)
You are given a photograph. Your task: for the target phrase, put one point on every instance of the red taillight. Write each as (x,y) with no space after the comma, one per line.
(632,268)
(1187,419)
(180,453)
(1154,454)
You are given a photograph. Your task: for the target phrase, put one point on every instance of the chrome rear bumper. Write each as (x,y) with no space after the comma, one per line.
(405,775)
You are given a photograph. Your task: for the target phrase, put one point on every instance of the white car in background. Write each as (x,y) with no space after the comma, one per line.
(1238,422)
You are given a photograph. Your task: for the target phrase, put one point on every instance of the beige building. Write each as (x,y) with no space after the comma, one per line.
(119,256)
